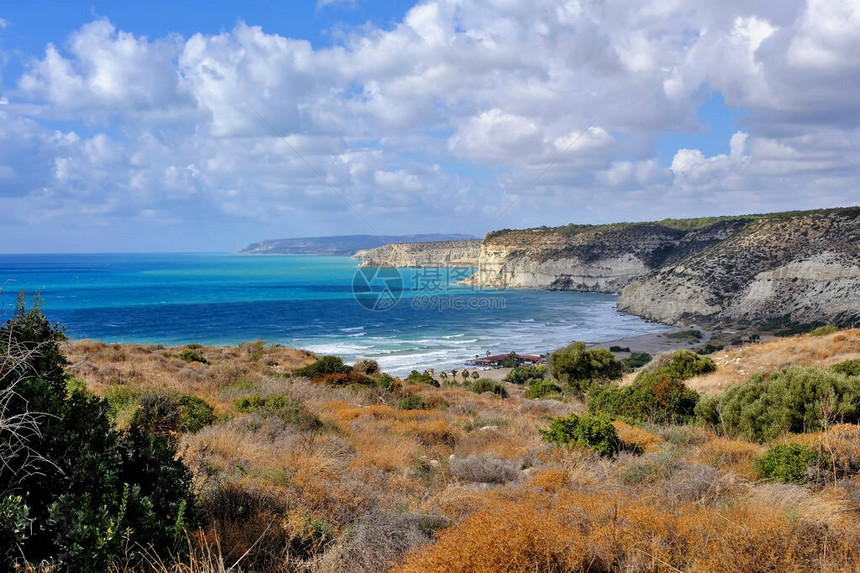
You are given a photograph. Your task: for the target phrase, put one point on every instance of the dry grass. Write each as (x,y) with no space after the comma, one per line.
(468,485)
(736,365)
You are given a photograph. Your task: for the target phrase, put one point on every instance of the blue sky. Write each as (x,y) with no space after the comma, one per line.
(129,126)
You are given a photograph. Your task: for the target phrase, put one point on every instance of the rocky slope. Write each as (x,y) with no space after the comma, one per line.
(601,258)
(786,267)
(431,254)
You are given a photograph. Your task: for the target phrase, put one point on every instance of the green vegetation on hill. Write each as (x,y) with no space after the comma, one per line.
(72,488)
(686,225)
(657,394)
(795,399)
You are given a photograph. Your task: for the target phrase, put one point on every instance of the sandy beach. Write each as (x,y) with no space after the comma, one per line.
(654,342)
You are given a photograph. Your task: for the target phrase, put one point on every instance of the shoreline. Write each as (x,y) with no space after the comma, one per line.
(655,342)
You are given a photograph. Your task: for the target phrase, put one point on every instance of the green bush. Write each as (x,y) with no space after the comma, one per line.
(92,496)
(619,349)
(822,330)
(636,360)
(160,412)
(191,355)
(848,368)
(509,361)
(486,385)
(541,388)
(168,414)
(577,367)
(390,382)
(287,409)
(592,431)
(522,374)
(413,402)
(791,400)
(421,378)
(786,463)
(323,367)
(13,525)
(685,335)
(656,395)
(686,364)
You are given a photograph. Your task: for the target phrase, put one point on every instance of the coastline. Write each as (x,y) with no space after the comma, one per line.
(655,342)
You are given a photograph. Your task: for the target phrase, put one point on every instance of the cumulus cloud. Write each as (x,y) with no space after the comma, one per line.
(437,122)
(107,71)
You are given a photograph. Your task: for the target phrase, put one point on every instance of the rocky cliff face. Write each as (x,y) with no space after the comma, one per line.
(433,254)
(795,267)
(589,258)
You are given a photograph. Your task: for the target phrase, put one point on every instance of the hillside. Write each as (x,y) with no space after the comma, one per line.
(314,475)
(345,245)
(427,254)
(756,271)
(800,268)
(602,258)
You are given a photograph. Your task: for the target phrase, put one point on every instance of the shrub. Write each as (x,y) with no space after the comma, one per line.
(791,400)
(522,374)
(636,360)
(592,431)
(822,330)
(484,469)
(13,525)
(413,402)
(422,378)
(167,414)
(578,367)
(657,394)
(848,368)
(508,536)
(287,409)
(541,388)
(93,495)
(686,364)
(509,361)
(841,444)
(366,366)
(619,349)
(390,382)
(378,540)
(486,385)
(685,335)
(322,367)
(191,355)
(344,379)
(785,463)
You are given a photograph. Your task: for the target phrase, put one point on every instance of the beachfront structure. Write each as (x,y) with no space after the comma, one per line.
(496,361)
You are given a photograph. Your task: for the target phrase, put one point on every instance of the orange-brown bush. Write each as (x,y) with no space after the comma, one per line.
(841,443)
(730,455)
(515,536)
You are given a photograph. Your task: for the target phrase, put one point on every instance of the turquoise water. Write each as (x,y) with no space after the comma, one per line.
(309,302)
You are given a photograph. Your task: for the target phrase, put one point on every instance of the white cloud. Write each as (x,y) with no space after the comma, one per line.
(109,71)
(437,121)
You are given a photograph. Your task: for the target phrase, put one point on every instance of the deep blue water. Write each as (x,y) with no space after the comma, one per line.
(307,302)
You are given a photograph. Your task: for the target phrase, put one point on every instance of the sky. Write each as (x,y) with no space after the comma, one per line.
(204,126)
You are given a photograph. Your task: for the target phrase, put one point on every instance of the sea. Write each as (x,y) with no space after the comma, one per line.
(404,318)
